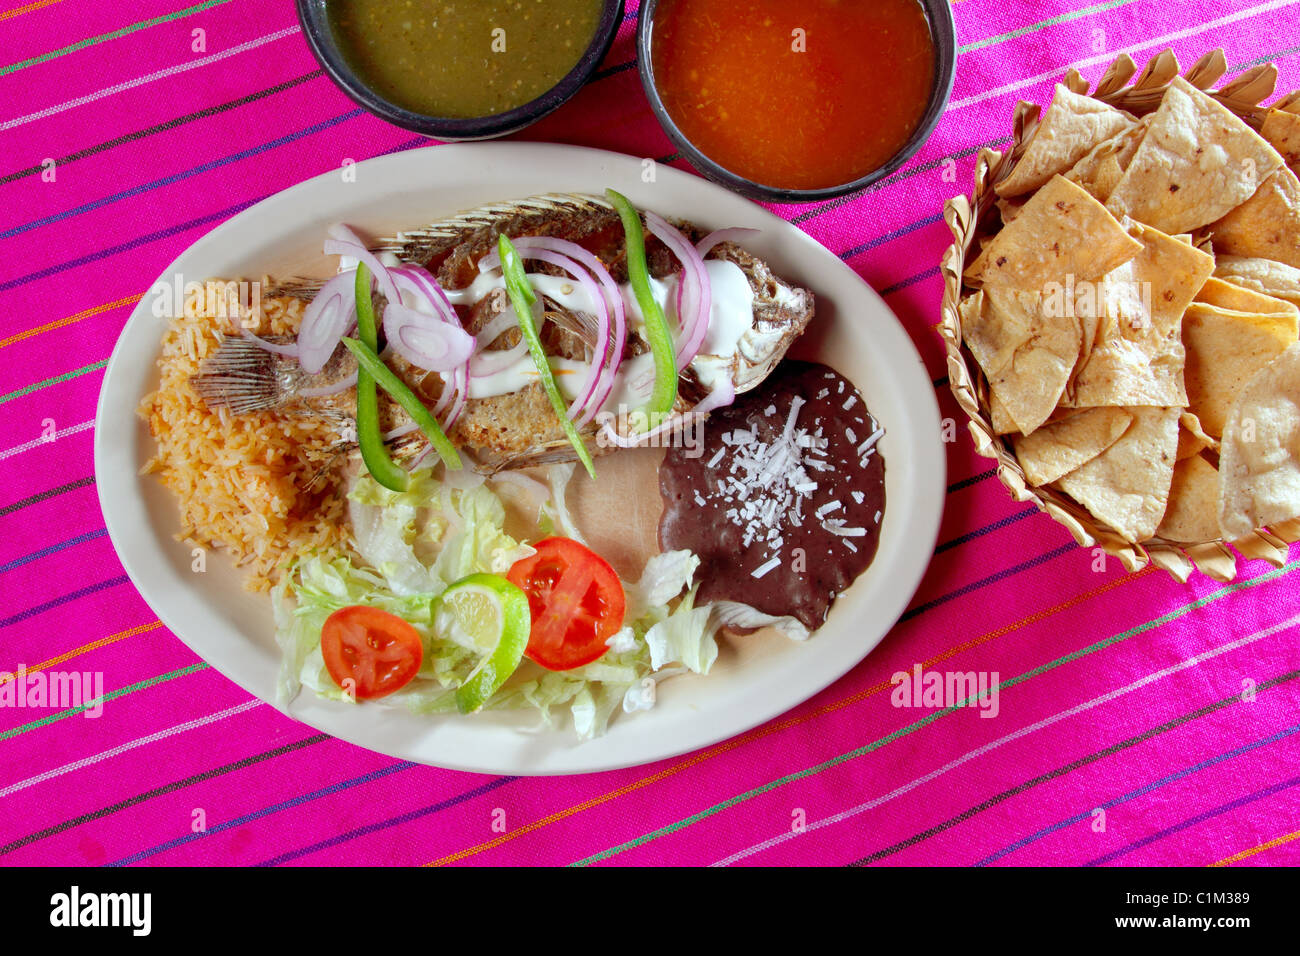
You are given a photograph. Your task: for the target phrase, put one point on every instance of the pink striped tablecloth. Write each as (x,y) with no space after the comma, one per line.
(1140,721)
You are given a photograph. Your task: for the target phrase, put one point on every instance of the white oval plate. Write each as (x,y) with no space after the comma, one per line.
(753,681)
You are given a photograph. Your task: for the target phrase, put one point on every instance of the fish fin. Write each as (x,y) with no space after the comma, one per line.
(419,245)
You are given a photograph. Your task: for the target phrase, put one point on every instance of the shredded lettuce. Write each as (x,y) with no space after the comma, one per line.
(686,636)
(411,545)
(666,576)
(735,614)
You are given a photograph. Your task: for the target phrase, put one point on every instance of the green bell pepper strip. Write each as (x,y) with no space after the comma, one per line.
(664,395)
(373,452)
(522,298)
(516,623)
(390,383)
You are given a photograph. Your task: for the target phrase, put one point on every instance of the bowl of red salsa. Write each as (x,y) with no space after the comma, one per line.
(797,100)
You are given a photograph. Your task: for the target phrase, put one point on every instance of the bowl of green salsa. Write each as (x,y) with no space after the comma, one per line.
(460,69)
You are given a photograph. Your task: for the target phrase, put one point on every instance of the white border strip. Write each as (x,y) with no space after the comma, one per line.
(123,748)
(141,80)
(1016,735)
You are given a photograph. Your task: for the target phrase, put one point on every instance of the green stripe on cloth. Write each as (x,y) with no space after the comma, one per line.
(114,695)
(28,389)
(91,41)
(925,721)
(1044,24)
(164,789)
(1231,699)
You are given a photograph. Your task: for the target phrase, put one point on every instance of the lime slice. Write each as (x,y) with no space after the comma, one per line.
(493,615)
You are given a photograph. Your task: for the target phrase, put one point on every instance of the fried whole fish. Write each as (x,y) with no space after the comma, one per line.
(508,421)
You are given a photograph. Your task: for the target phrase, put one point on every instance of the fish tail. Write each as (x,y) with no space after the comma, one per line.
(243,377)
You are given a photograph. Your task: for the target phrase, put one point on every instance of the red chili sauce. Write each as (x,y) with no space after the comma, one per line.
(795,94)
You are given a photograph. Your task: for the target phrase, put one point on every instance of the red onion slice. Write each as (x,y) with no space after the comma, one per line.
(696,294)
(410,279)
(723,394)
(433,342)
(400,430)
(484,364)
(579,410)
(289,351)
(325,320)
(734,234)
(324,390)
(344,242)
(613,326)
(498,326)
(445,336)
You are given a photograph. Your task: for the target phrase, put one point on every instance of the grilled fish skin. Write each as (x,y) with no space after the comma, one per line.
(520,429)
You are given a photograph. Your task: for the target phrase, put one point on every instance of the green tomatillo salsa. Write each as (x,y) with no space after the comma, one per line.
(463,58)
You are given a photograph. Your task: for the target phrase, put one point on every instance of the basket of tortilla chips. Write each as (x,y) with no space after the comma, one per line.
(1121,310)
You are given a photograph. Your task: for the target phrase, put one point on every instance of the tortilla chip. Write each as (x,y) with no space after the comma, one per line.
(1282,130)
(1127,485)
(1056,449)
(1060,231)
(1101,169)
(1000,418)
(1100,177)
(1197,161)
(1277,279)
(1267,225)
(1008,209)
(1229,295)
(1139,357)
(1192,513)
(1225,350)
(1026,351)
(1192,438)
(1260,457)
(1072,126)
(992,339)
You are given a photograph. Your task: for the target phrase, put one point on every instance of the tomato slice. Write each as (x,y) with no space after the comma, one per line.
(370,653)
(576,599)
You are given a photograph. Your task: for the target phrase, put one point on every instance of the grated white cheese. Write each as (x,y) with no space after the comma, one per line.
(837,527)
(765,483)
(871,441)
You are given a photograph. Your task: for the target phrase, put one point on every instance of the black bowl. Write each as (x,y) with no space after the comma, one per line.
(320,37)
(938,12)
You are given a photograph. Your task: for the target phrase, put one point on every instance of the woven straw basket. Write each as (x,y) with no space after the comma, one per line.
(973,218)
